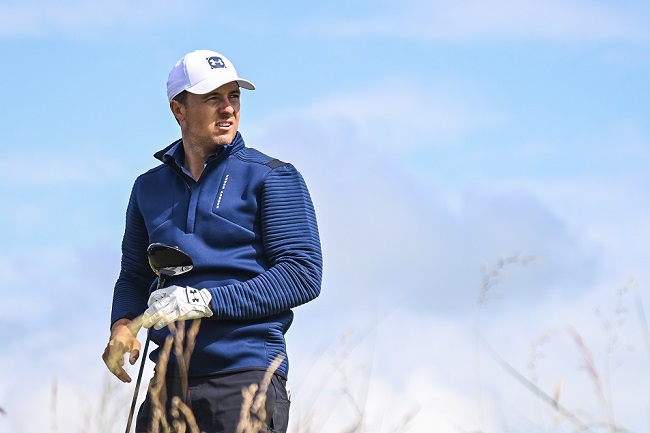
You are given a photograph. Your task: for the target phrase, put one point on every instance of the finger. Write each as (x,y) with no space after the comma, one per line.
(164,314)
(116,366)
(164,317)
(135,354)
(106,355)
(114,362)
(150,319)
(160,294)
(121,374)
(162,323)
(135,351)
(112,355)
(155,312)
(157,296)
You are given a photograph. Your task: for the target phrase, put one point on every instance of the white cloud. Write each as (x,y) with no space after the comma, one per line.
(83,17)
(54,325)
(466,20)
(397,114)
(406,362)
(19,19)
(49,168)
(401,256)
(399,241)
(596,184)
(475,20)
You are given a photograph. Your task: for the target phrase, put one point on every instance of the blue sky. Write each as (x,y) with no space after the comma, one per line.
(435,137)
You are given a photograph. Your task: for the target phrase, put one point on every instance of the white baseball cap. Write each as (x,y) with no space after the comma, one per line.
(201,72)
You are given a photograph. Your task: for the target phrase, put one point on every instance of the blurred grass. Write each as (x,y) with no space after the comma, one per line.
(560,416)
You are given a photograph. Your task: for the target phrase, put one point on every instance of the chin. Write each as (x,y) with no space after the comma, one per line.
(223,140)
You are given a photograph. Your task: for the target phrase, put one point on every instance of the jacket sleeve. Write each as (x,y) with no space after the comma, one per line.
(292,247)
(132,287)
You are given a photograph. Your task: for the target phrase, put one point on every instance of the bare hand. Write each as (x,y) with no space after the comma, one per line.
(122,341)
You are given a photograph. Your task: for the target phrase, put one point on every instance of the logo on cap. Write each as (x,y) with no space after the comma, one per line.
(216,62)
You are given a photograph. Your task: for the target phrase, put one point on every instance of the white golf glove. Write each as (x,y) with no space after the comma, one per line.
(176,303)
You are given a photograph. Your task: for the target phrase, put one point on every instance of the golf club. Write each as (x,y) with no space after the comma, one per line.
(165,261)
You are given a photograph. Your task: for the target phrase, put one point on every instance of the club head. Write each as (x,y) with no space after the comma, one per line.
(168,261)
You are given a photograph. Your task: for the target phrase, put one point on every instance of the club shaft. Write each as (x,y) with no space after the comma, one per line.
(137,384)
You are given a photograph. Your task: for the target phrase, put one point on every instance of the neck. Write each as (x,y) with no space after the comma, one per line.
(195,159)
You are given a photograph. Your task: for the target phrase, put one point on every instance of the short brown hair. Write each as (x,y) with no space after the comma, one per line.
(181,97)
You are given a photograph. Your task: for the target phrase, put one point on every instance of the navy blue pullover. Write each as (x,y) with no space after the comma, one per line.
(249,225)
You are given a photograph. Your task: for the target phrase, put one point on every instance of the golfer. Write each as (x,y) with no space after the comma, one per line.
(248,223)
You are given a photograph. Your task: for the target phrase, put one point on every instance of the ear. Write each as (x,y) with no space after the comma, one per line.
(178,110)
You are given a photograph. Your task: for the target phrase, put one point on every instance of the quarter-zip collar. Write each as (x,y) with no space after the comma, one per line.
(175,154)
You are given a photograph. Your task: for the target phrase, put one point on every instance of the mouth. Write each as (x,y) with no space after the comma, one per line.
(224,125)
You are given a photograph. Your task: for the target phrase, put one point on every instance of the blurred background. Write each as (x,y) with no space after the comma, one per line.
(480,176)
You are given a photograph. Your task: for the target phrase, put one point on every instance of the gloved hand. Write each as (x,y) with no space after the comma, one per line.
(175,303)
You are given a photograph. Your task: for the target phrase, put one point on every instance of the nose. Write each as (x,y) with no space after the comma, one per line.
(225,105)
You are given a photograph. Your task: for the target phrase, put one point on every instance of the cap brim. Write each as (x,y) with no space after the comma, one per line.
(207,86)
(246,84)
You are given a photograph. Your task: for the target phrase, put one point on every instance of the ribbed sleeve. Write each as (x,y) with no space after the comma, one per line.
(292,246)
(132,287)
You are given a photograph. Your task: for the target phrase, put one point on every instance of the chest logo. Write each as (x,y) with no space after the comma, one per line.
(223,187)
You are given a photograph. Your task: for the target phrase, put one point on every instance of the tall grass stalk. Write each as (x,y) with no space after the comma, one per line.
(601,382)
(180,418)
(490,278)
(253,411)
(53,401)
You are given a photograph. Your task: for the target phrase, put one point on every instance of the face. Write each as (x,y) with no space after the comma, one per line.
(209,121)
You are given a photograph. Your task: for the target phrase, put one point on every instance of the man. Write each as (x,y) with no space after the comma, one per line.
(248,223)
